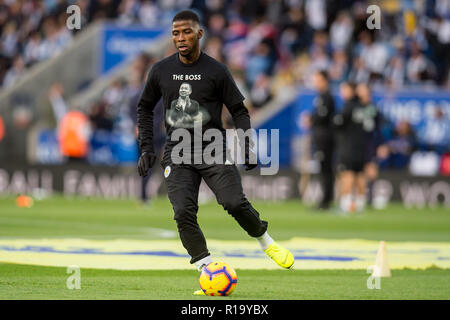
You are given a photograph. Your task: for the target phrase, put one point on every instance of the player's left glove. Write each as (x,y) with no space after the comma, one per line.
(146,161)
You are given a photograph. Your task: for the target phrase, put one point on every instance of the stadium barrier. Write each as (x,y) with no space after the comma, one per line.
(113,182)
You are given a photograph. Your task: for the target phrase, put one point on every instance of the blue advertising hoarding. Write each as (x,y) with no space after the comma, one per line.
(119,43)
(105,148)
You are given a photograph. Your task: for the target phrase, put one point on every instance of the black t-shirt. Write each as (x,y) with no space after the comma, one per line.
(356,126)
(190,92)
(322,119)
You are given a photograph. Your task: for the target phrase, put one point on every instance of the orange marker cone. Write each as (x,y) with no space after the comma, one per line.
(24,201)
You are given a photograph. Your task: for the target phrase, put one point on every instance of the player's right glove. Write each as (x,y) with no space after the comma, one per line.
(250,159)
(146,161)
(249,165)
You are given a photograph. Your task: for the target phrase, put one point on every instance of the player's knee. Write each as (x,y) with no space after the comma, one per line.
(234,206)
(186,224)
(185,214)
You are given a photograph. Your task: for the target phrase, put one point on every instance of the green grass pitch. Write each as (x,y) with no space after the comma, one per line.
(109,219)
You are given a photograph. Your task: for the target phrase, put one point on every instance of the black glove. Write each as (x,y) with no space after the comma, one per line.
(250,154)
(247,164)
(146,161)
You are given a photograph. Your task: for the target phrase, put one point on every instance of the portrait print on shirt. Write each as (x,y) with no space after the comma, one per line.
(184,111)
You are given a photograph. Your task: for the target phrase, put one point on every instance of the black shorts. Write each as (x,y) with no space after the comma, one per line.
(354,166)
(352,162)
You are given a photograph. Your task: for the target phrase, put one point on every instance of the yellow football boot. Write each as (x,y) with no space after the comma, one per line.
(282,256)
(199,293)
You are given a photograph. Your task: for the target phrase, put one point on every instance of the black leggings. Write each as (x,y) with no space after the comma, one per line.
(324,155)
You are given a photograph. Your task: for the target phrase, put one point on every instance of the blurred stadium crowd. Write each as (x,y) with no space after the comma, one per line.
(261,39)
(268,45)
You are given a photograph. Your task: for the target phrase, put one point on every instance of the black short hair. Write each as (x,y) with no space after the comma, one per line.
(186,15)
(323,73)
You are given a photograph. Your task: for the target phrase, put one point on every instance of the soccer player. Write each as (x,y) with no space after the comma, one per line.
(211,85)
(322,136)
(355,124)
(373,138)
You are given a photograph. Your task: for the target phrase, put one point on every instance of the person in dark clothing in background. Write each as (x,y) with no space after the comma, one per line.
(322,136)
(351,148)
(374,140)
(99,118)
(355,124)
